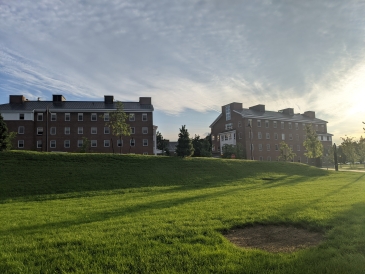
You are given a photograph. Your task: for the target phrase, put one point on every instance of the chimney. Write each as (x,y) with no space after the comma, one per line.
(310,114)
(58,98)
(16,99)
(108,99)
(145,100)
(287,111)
(260,108)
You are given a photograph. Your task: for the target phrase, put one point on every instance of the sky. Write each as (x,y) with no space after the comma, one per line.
(191,56)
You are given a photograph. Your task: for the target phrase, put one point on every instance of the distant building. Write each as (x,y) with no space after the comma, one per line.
(260,131)
(60,125)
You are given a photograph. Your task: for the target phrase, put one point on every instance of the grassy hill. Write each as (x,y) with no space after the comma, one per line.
(100,213)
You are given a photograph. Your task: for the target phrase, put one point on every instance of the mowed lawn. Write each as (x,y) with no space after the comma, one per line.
(98,213)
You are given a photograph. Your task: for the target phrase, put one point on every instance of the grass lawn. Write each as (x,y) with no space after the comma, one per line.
(99,213)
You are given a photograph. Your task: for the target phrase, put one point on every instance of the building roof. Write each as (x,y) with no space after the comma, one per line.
(273,115)
(29,106)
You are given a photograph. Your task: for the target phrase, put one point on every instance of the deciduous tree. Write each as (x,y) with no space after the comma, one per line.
(5,137)
(118,124)
(286,153)
(313,146)
(348,146)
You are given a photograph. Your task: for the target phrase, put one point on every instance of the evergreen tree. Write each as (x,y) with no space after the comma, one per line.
(117,123)
(5,137)
(313,146)
(184,147)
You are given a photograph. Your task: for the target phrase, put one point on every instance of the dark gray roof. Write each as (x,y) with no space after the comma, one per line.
(272,115)
(73,105)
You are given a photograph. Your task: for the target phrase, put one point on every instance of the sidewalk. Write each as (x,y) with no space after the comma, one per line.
(340,169)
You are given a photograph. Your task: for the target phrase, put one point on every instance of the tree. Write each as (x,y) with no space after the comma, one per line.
(201,147)
(238,151)
(117,123)
(328,155)
(85,145)
(5,137)
(361,149)
(349,149)
(162,144)
(286,153)
(184,146)
(313,146)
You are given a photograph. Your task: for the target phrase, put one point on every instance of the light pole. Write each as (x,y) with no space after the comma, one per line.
(251,148)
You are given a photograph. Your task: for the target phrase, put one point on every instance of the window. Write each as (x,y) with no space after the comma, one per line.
(266,123)
(297,136)
(290,125)
(144,116)
(267,135)
(261,158)
(303,126)
(145,130)
(282,125)
(240,135)
(106,116)
(290,136)
(260,147)
(106,130)
(66,143)
(106,143)
(145,142)
(94,143)
(249,123)
(229,126)
(80,130)
(67,130)
(268,147)
(316,127)
(276,147)
(94,117)
(133,130)
(328,138)
(259,135)
(269,158)
(239,124)
(80,117)
(145,153)
(53,131)
(275,136)
(228,113)
(298,147)
(213,147)
(21,116)
(52,144)
(132,117)
(21,130)
(39,144)
(39,130)
(322,128)
(258,123)
(132,142)
(39,116)
(296,126)
(275,124)
(67,117)
(321,138)
(218,136)
(213,137)
(283,136)
(94,130)
(21,144)
(53,117)
(119,143)
(80,143)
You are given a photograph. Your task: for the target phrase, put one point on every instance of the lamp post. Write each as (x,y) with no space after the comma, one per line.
(251,148)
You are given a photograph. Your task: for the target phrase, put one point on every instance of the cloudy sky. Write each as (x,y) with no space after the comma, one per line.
(191,56)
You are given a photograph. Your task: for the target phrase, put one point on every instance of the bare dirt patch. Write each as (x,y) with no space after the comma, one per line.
(274,238)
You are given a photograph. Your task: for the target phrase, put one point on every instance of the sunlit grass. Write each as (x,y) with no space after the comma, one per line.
(63,213)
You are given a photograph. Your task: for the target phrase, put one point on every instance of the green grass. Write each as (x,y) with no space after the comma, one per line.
(99,213)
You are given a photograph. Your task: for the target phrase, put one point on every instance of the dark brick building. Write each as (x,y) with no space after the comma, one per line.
(263,131)
(60,125)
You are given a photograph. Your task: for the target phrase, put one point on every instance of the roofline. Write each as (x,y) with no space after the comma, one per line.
(216,120)
(76,110)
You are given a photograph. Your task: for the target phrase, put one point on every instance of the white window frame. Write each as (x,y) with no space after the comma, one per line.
(94,130)
(106,143)
(80,143)
(106,130)
(258,123)
(296,126)
(53,117)
(80,116)
(94,143)
(267,124)
(39,116)
(51,131)
(283,136)
(144,130)
(39,130)
(144,117)
(267,135)
(106,116)
(39,143)
(21,130)
(133,130)
(119,143)
(260,147)
(145,142)
(21,116)
(132,142)
(67,130)
(20,143)
(80,130)
(276,147)
(66,144)
(67,117)
(94,117)
(276,136)
(132,117)
(290,136)
(268,147)
(275,124)
(290,126)
(259,135)
(298,147)
(228,112)
(52,144)
(282,125)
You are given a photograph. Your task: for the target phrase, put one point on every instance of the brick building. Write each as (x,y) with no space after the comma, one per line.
(263,131)
(60,125)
